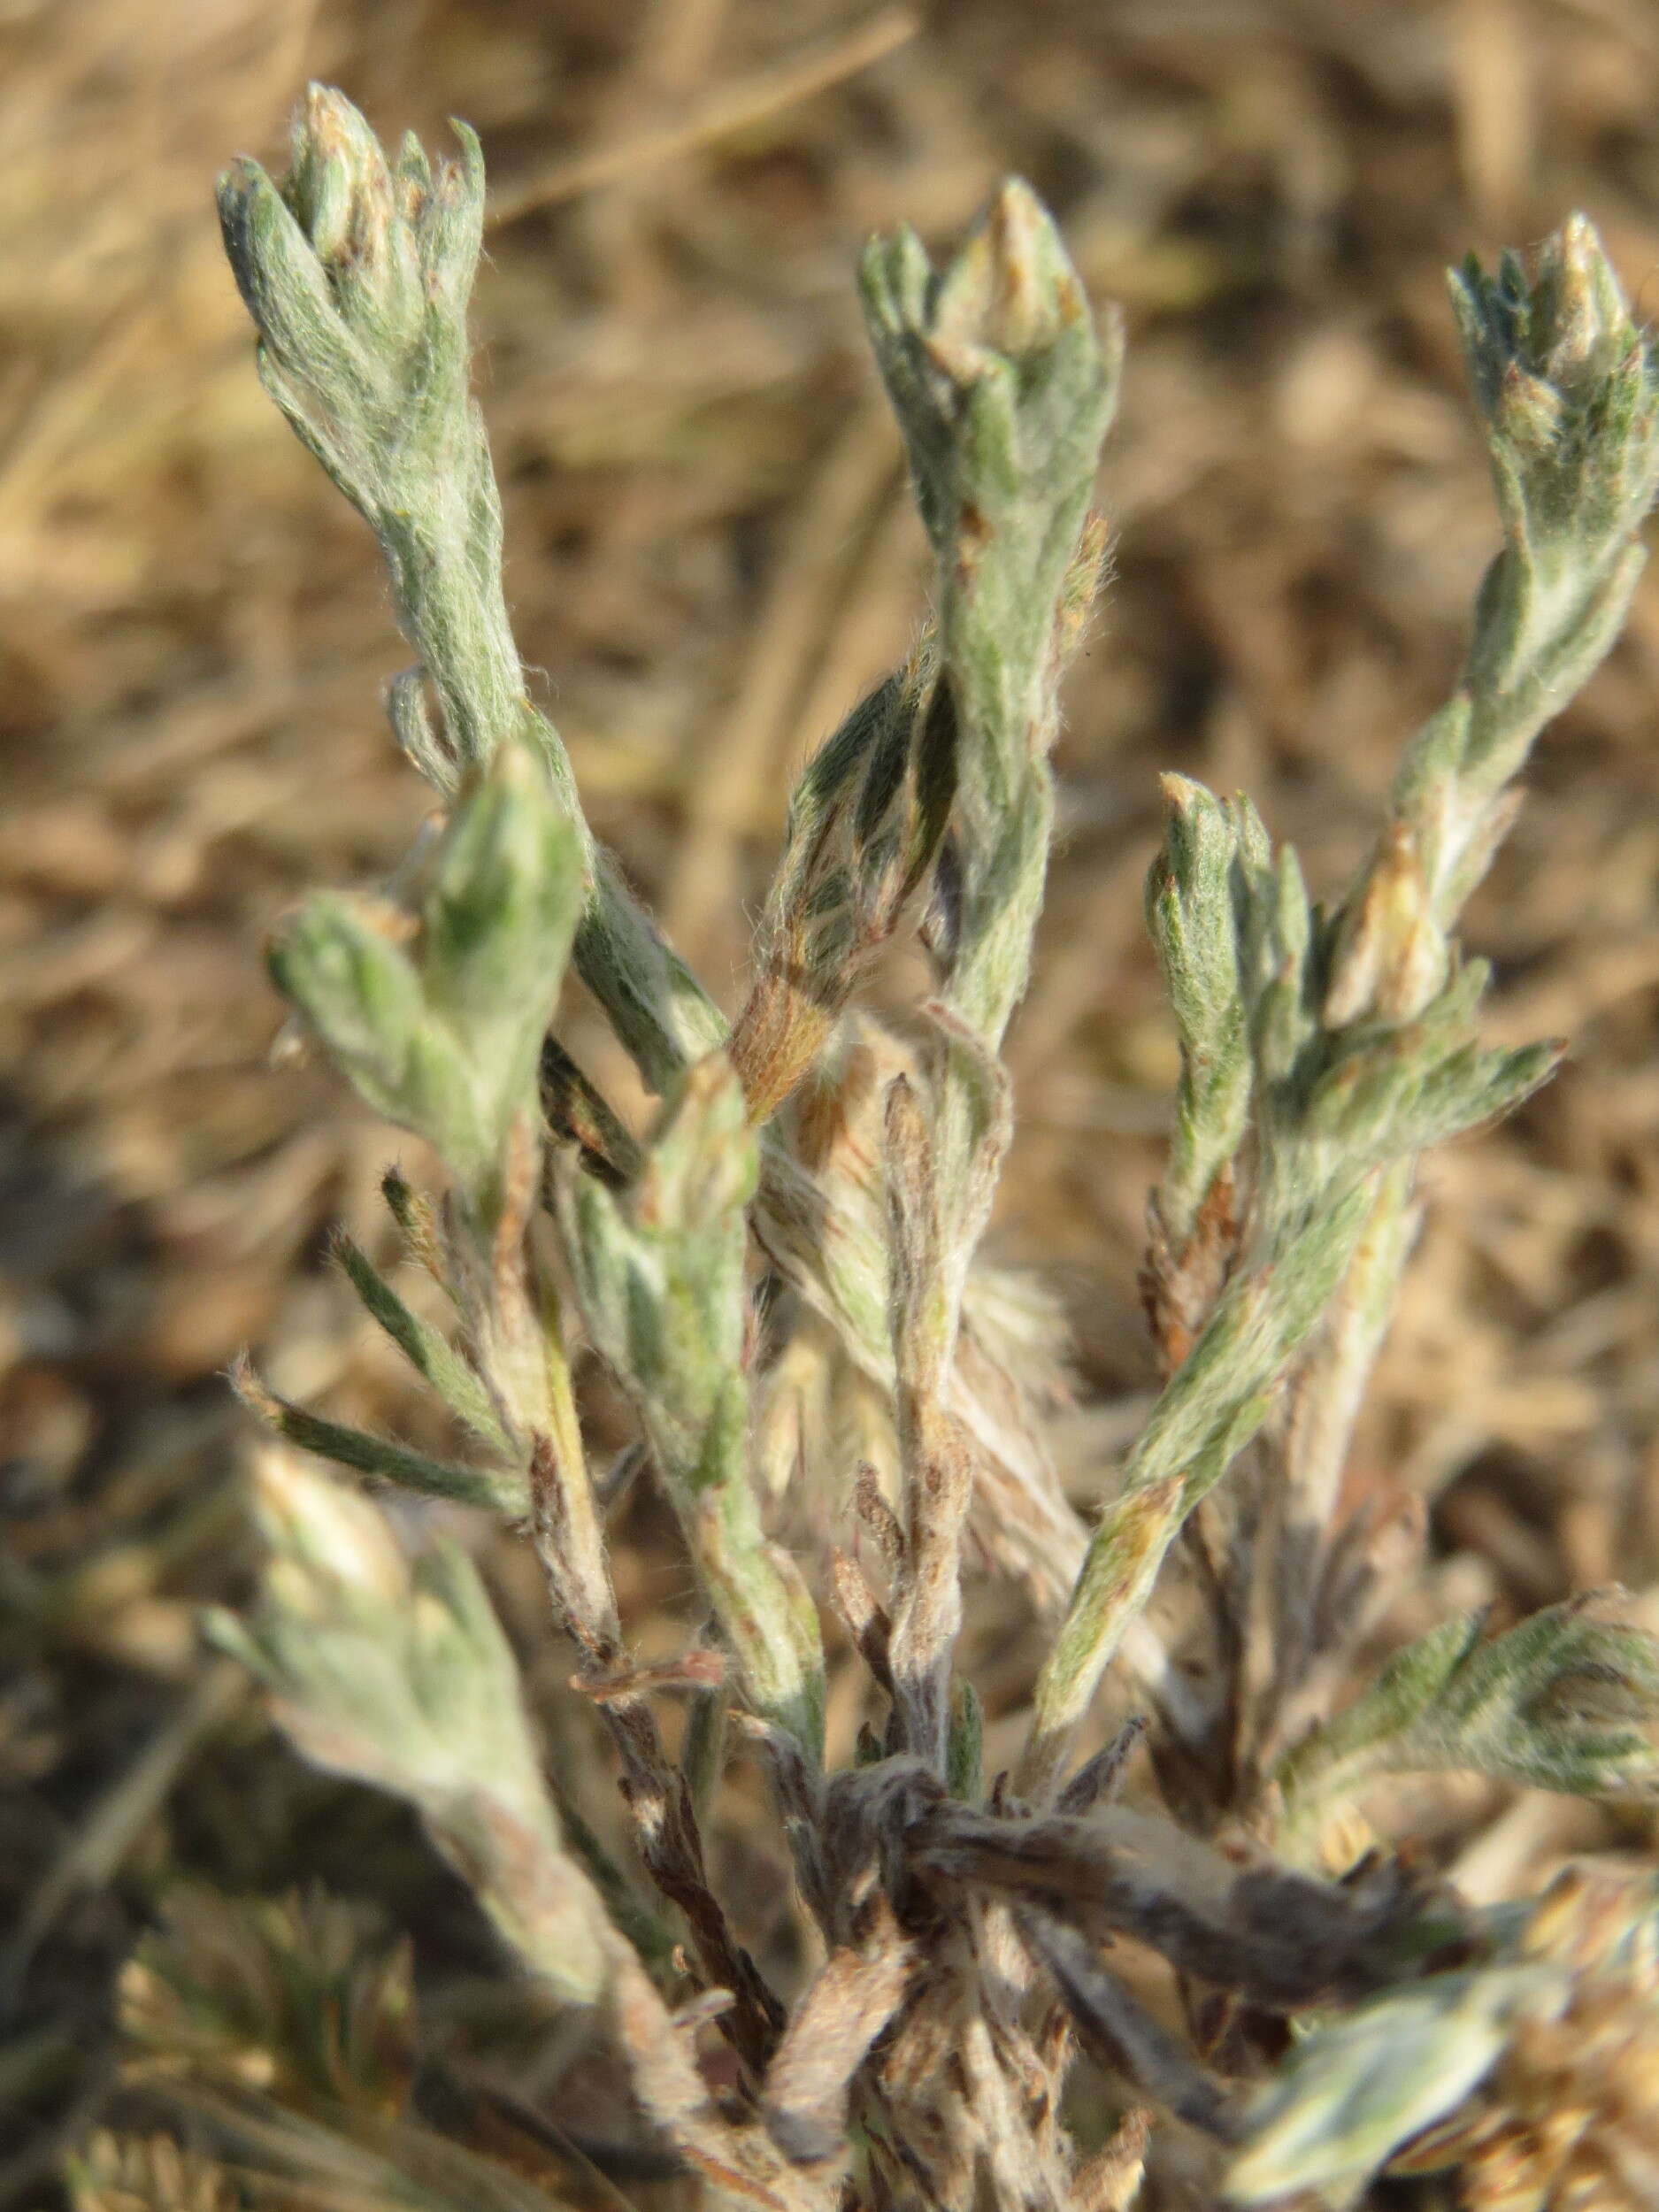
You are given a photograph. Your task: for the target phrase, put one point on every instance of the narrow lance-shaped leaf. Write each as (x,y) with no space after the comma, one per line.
(425,1348)
(1192,914)
(499,1488)
(1567,1700)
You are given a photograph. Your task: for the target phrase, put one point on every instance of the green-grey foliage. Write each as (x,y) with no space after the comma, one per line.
(1354,2090)
(1508,2056)
(401,1676)
(1359,1044)
(436,1010)
(1564,1702)
(659,1271)
(809,1200)
(1194,901)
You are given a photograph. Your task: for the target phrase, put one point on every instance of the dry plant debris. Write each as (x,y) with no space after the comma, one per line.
(1517,1223)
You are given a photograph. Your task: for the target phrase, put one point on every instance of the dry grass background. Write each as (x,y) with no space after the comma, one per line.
(711,553)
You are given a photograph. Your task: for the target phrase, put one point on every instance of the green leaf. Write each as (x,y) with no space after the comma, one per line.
(499,1489)
(659,1269)
(499,917)
(425,1349)
(439,1022)
(362,993)
(1191,912)
(964,1752)
(506,891)
(1003,389)
(400,1676)
(1570,389)
(1568,1701)
(1355,2089)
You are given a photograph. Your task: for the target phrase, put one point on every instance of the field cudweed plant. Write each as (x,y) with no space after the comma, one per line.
(1328,2015)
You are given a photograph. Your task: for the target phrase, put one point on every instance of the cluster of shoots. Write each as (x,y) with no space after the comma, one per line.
(961,2028)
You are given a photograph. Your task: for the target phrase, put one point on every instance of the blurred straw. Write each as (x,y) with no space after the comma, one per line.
(1493,89)
(110,1827)
(731,109)
(739,775)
